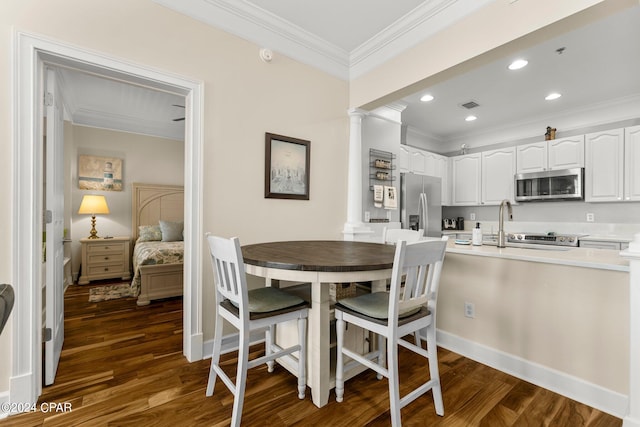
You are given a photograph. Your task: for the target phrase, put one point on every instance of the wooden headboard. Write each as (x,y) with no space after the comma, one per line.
(154,202)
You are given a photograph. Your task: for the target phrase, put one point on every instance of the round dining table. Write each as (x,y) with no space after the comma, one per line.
(320,263)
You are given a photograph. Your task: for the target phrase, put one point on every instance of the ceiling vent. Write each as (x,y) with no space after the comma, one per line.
(471,104)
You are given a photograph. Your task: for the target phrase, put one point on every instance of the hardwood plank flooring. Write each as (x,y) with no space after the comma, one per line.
(122,365)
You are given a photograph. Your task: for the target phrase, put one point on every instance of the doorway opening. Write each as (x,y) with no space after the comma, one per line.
(32,54)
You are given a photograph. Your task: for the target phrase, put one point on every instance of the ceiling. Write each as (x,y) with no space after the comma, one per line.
(600,63)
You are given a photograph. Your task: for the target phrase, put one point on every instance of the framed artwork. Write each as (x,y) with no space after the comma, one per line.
(287,162)
(99,173)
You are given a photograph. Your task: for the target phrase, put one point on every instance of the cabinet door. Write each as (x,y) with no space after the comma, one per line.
(466,179)
(431,163)
(632,163)
(442,169)
(498,170)
(403,159)
(604,174)
(531,157)
(417,161)
(566,153)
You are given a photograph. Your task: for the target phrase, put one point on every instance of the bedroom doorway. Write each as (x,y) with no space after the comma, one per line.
(32,54)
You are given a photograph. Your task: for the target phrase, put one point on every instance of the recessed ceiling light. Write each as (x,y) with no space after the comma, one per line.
(470,118)
(552,96)
(426,98)
(518,63)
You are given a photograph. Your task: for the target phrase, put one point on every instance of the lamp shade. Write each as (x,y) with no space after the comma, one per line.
(92,204)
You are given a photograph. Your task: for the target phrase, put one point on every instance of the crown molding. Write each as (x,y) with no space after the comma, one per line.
(416,26)
(251,22)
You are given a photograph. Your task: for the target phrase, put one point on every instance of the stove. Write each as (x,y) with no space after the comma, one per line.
(545,238)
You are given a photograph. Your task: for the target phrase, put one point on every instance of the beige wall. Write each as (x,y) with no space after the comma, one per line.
(572,320)
(244,98)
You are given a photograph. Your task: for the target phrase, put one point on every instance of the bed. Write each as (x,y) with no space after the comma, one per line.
(157,264)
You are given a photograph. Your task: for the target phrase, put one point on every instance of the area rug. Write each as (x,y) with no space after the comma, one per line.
(104,293)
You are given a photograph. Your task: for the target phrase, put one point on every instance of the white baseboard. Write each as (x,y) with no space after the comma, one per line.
(194,346)
(598,397)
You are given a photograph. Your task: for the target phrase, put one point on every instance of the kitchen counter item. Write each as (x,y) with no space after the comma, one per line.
(477,235)
(545,238)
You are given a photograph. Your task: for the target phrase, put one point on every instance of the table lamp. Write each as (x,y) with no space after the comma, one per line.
(92,205)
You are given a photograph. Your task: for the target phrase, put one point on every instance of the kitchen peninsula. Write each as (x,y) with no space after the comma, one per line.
(556,318)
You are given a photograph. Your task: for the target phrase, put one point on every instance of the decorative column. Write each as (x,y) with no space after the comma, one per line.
(354,224)
(632,419)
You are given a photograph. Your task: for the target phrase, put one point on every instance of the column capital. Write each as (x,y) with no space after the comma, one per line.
(356,112)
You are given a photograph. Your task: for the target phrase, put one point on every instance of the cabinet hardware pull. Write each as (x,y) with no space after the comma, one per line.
(106,258)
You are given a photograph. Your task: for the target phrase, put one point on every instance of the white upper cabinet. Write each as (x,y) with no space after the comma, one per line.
(466,179)
(498,170)
(404,164)
(566,153)
(563,153)
(423,162)
(632,163)
(418,162)
(612,172)
(532,157)
(604,172)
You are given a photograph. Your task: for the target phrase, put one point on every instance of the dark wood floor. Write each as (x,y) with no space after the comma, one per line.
(122,365)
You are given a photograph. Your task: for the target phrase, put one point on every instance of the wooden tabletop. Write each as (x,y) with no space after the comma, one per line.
(320,255)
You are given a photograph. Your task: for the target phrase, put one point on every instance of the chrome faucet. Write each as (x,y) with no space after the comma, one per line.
(501,235)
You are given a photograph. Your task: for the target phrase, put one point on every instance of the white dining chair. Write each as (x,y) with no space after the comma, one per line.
(392,235)
(248,311)
(392,315)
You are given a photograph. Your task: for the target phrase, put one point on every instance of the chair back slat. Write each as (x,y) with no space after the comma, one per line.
(229,273)
(416,275)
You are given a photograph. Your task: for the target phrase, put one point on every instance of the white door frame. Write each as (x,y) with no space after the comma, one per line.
(30,53)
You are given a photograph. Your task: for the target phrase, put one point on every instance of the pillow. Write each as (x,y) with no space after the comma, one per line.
(149,233)
(171,231)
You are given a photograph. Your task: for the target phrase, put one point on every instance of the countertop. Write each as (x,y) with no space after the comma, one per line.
(603,259)
(607,238)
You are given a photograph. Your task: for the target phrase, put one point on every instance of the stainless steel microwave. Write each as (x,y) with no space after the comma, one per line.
(565,184)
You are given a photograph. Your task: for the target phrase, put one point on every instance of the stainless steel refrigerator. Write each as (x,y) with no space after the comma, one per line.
(421,203)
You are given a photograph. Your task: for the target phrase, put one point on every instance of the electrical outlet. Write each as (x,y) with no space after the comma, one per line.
(367,216)
(472,216)
(469,310)
(591,217)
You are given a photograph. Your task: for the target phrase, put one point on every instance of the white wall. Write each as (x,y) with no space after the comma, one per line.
(381,134)
(145,159)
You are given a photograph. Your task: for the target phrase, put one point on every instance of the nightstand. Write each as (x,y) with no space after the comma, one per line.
(105,259)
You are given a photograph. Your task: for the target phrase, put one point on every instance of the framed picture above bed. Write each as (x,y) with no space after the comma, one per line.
(287,162)
(99,173)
